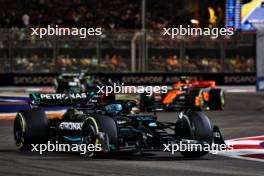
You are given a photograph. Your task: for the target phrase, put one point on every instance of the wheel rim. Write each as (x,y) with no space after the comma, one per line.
(90,135)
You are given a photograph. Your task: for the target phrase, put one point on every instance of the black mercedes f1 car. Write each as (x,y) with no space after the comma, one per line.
(112,124)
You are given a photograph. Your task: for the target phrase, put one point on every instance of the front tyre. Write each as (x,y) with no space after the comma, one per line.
(194,126)
(102,132)
(89,134)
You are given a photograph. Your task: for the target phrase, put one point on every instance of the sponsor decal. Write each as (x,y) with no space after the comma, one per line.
(31,80)
(239,79)
(134,78)
(70,126)
(142,79)
(63,96)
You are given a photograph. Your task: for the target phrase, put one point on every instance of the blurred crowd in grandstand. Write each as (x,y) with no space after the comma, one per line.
(19,53)
(115,14)
(205,64)
(115,63)
(29,55)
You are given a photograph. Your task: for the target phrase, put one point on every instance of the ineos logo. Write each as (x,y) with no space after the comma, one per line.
(70,126)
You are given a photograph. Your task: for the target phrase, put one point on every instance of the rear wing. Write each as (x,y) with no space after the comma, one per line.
(203,84)
(70,75)
(61,99)
(197,84)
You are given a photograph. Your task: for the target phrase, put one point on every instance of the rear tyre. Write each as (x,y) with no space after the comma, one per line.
(196,126)
(30,127)
(217,99)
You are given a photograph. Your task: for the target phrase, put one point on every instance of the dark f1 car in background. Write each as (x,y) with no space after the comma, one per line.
(76,82)
(195,95)
(111,124)
(68,82)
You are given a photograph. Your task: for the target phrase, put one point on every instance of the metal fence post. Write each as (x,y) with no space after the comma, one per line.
(55,56)
(182,53)
(222,55)
(11,50)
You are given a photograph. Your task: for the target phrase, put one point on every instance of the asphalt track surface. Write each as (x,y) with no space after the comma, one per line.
(243,116)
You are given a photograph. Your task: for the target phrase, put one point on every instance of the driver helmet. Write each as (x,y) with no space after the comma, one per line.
(113,108)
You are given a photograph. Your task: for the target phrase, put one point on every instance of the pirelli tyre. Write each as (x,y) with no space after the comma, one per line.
(91,128)
(216,99)
(196,100)
(194,126)
(89,134)
(30,127)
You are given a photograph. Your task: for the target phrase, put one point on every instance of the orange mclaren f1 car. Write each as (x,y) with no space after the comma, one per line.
(195,95)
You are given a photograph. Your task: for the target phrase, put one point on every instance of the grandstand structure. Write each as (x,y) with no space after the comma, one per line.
(120,49)
(112,52)
(258,23)
(127,45)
